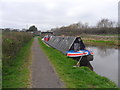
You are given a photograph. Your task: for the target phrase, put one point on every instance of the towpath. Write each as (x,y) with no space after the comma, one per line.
(43,74)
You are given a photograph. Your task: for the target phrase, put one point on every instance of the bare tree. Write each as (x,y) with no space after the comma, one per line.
(105,23)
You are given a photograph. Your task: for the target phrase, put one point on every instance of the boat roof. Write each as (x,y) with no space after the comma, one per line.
(62,44)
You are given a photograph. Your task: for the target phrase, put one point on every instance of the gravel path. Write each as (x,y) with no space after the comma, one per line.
(43,75)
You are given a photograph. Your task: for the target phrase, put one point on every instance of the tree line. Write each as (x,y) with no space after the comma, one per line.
(104,26)
(32,28)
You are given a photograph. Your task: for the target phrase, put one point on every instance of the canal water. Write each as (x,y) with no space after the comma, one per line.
(105,62)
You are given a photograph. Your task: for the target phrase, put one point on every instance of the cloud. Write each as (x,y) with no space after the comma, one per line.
(46,14)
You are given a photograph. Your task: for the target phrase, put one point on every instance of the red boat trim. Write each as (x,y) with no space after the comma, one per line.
(73,54)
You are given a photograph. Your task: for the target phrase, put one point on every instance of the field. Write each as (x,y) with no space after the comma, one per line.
(80,77)
(15,59)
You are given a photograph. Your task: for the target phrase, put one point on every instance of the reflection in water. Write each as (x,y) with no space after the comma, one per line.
(103,52)
(90,66)
(105,62)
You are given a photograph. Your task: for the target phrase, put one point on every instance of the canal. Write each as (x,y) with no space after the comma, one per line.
(105,62)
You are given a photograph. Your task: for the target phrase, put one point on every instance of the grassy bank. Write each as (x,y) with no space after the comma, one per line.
(101,43)
(16,74)
(101,40)
(81,77)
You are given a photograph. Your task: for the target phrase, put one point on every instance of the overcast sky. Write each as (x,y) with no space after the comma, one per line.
(47,14)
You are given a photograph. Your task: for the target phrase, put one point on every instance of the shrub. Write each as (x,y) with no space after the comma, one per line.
(12,43)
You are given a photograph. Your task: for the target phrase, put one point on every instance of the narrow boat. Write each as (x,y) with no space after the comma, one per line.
(72,47)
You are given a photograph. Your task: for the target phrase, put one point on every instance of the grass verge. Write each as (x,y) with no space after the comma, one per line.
(17,74)
(81,77)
